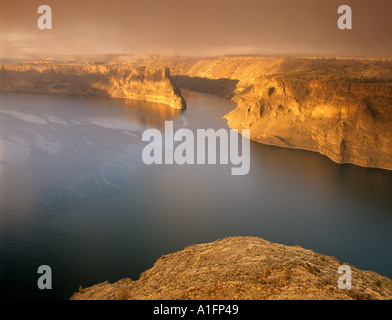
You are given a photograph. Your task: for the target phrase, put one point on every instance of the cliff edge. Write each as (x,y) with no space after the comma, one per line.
(242,268)
(348,122)
(123,81)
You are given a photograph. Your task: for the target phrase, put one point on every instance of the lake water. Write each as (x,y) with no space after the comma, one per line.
(76,195)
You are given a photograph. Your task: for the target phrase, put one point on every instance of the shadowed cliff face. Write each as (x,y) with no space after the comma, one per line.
(137,83)
(221,87)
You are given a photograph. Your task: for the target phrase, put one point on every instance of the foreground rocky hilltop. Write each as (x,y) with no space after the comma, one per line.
(137,83)
(242,268)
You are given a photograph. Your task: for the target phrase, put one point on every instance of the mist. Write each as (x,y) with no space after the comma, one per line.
(195,28)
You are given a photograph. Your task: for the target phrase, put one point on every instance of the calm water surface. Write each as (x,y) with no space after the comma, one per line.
(75,195)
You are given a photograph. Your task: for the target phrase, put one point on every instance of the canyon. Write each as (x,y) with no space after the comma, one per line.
(339,107)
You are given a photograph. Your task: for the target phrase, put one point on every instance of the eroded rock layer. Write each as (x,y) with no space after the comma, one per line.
(137,83)
(348,122)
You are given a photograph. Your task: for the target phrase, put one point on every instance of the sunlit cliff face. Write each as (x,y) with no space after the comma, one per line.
(195,27)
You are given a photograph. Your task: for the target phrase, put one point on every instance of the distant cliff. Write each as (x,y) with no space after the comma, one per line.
(243,268)
(137,83)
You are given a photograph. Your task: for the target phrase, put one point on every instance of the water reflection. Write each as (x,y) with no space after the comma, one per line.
(135,113)
(68,148)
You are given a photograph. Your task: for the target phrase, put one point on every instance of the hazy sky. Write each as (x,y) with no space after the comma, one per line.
(196,27)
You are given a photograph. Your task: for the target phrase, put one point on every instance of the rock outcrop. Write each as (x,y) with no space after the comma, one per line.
(128,82)
(242,268)
(348,122)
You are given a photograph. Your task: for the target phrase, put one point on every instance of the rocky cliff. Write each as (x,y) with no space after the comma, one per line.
(137,83)
(341,108)
(348,122)
(242,268)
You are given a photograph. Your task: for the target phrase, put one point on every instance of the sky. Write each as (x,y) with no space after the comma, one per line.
(195,27)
